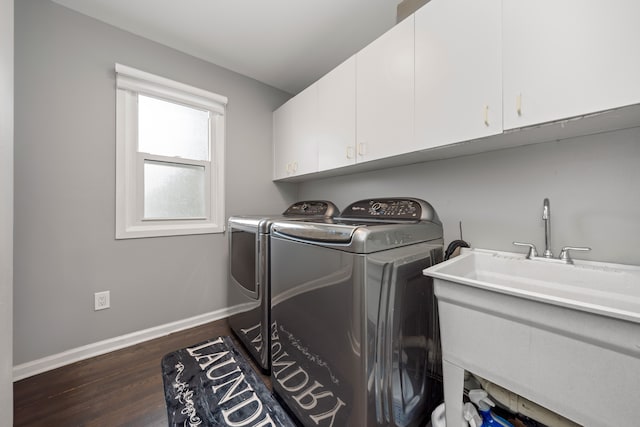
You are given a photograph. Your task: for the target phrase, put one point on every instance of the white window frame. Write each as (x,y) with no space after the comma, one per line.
(130,163)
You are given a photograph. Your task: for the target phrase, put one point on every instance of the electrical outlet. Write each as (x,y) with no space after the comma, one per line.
(101,300)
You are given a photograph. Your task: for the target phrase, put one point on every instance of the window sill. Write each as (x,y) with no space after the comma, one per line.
(163,230)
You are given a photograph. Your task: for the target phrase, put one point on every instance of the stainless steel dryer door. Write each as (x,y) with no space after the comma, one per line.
(244,259)
(249,273)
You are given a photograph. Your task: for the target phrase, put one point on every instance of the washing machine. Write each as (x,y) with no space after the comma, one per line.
(355,338)
(249,272)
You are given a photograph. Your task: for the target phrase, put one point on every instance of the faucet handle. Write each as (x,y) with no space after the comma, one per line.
(566,257)
(532,249)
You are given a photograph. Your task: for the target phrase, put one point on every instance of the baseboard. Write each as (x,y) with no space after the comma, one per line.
(54,361)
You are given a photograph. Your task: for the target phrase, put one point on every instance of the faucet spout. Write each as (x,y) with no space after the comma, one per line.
(546,217)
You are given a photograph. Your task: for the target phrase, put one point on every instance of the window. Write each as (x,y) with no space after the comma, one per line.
(169,157)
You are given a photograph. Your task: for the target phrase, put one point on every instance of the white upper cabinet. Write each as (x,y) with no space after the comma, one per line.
(467,70)
(568,58)
(385,94)
(458,81)
(295,135)
(336,119)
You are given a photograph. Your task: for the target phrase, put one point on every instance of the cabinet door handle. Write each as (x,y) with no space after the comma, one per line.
(486,115)
(288,168)
(519,104)
(295,167)
(362,149)
(349,152)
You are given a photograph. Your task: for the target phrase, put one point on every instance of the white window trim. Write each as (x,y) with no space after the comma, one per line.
(129,224)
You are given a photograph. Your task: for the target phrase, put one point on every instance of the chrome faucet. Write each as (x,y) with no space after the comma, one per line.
(546,217)
(547,255)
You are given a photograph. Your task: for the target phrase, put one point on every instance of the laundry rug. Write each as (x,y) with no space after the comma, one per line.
(212,384)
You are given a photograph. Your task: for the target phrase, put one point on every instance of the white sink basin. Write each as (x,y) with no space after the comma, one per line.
(602,288)
(564,336)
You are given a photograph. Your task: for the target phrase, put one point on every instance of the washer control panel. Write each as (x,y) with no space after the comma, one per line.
(391,209)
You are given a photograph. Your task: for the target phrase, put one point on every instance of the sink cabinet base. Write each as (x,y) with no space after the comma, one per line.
(581,365)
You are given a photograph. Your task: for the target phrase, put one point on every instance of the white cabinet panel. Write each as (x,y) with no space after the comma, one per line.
(306,131)
(295,135)
(458,71)
(568,58)
(336,119)
(282,129)
(385,94)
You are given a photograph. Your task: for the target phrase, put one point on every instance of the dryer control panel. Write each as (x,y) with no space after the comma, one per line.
(312,208)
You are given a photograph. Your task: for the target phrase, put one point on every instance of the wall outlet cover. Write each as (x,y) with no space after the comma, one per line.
(101,300)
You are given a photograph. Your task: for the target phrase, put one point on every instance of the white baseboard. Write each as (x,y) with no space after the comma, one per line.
(54,361)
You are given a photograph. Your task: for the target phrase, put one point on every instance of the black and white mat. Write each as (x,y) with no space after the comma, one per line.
(211,384)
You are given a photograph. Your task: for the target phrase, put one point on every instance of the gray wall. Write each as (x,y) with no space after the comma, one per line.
(64,189)
(6,210)
(65,186)
(592,184)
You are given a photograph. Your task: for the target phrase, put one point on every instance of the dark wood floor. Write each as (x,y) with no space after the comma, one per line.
(122,388)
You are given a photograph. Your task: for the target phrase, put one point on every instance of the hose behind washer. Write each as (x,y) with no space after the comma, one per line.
(453,246)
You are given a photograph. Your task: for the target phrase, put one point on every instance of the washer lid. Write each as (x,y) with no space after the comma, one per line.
(327,231)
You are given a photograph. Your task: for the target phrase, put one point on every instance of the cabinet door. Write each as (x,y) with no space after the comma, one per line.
(282,138)
(385,93)
(568,58)
(305,131)
(295,135)
(336,119)
(458,71)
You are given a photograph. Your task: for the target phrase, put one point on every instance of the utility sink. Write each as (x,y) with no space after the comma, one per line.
(566,336)
(603,288)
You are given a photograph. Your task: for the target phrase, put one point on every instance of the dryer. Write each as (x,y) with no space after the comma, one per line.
(250,273)
(355,337)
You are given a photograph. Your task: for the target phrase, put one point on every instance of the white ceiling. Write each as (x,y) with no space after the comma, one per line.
(287,44)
